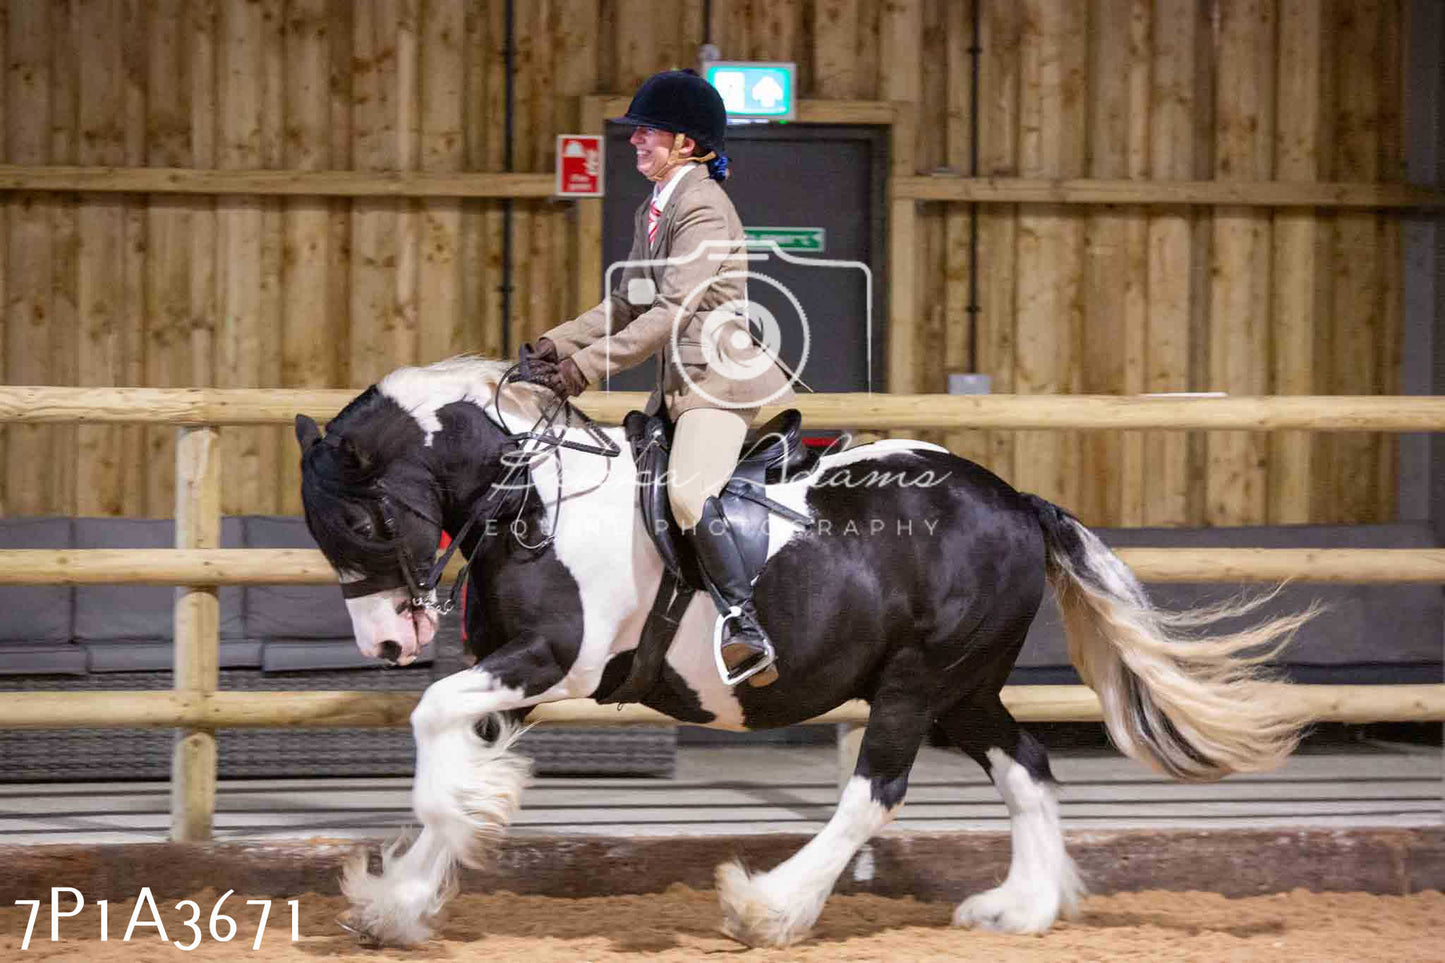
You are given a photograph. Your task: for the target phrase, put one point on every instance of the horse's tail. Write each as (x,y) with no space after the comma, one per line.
(1192,706)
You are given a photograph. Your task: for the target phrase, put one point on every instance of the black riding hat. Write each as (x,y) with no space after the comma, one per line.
(682,102)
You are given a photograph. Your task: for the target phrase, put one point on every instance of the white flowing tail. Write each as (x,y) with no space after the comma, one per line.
(1193,707)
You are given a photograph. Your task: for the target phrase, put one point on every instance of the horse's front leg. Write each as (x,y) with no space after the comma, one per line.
(467,787)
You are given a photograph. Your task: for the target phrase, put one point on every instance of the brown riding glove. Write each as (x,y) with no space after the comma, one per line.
(565,379)
(543,350)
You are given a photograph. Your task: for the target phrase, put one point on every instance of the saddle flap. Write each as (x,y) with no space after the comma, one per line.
(651,442)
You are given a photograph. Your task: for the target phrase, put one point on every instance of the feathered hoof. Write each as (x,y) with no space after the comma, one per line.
(359,932)
(1007,909)
(750,915)
(385,910)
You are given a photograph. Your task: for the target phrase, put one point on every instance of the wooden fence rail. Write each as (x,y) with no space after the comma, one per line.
(477,184)
(196,709)
(239,710)
(1094,191)
(295,566)
(276,183)
(862,411)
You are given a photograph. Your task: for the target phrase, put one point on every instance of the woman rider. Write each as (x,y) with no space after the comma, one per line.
(685,304)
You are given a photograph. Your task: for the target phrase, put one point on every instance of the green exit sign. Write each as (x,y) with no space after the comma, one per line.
(754,91)
(809,240)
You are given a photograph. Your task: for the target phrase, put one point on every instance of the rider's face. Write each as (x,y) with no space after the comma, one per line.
(654,151)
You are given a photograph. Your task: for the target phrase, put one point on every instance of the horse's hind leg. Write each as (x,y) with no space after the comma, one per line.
(779,907)
(1042,882)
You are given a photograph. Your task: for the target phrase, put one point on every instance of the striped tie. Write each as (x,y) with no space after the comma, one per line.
(653,217)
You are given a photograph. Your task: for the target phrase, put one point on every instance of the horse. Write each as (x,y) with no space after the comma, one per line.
(905,576)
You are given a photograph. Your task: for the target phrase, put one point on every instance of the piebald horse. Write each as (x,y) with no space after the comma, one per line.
(912,589)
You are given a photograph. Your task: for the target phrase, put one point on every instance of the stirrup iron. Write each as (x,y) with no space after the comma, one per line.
(761,662)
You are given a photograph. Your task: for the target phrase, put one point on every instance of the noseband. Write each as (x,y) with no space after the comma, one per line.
(517,459)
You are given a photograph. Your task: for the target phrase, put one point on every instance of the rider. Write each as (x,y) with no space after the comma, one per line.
(685,306)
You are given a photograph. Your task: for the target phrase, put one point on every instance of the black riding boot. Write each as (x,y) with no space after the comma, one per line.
(742,648)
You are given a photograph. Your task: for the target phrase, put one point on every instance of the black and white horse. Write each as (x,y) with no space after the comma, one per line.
(913,590)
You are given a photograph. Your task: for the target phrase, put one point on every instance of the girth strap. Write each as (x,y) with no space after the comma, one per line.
(673,598)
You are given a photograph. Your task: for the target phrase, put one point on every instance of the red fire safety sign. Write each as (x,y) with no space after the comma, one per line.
(579,165)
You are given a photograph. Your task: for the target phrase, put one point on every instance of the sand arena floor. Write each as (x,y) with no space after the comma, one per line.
(681,925)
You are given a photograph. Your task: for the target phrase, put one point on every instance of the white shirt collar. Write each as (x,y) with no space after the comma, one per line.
(663,191)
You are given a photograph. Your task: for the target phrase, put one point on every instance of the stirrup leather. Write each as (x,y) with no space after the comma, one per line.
(763,661)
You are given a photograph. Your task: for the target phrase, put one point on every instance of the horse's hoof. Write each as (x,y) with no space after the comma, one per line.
(1005,910)
(362,936)
(749,916)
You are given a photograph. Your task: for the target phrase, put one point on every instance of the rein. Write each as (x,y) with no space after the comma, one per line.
(517,460)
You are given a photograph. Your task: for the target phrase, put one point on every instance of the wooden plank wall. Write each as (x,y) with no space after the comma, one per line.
(1126,299)
(304,292)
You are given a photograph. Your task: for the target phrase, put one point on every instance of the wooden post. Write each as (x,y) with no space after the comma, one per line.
(198,633)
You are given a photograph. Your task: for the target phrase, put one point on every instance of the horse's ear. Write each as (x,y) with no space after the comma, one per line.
(307,433)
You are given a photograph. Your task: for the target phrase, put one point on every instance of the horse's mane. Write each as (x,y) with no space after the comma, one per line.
(421,391)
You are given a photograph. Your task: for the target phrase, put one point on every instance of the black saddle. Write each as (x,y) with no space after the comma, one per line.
(771,454)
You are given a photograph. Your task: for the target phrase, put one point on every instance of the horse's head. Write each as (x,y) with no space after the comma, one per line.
(405,460)
(372,502)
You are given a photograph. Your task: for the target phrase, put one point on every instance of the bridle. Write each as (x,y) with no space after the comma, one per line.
(518,461)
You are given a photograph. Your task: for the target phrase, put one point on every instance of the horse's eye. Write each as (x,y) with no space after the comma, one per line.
(362,527)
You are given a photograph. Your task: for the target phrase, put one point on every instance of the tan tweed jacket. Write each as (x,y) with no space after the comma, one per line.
(690,273)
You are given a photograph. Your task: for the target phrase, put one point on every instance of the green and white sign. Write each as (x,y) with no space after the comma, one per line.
(808,240)
(754,91)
